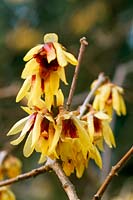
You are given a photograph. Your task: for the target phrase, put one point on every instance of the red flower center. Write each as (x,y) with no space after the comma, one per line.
(41,58)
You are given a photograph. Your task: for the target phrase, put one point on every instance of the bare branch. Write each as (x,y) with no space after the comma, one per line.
(9,91)
(101,79)
(50,164)
(66,184)
(84,43)
(113,172)
(27,175)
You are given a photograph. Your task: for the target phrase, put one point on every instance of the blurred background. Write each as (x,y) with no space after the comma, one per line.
(108,27)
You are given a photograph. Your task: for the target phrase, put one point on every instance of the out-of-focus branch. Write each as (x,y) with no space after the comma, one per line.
(9,91)
(84,43)
(101,79)
(112,173)
(50,164)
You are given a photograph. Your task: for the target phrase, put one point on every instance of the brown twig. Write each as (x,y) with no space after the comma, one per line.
(50,164)
(101,79)
(66,184)
(113,172)
(84,43)
(27,175)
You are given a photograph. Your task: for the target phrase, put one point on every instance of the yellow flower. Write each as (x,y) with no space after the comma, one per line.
(109,97)
(62,136)
(6,194)
(44,69)
(74,147)
(12,166)
(99,128)
(35,126)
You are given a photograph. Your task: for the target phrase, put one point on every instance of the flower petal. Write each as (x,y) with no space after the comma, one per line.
(54,82)
(116,100)
(26,128)
(96,156)
(36,129)
(70,58)
(24,89)
(122,105)
(101,115)
(28,148)
(61,74)
(50,37)
(56,137)
(60,98)
(83,136)
(31,68)
(90,123)
(60,55)
(32,51)
(108,135)
(51,55)
(18,126)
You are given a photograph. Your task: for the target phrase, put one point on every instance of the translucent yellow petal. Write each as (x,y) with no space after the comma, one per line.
(99,144)
(54,82)
(94,154)
(42,146)
(50,37)
(48,95)
(36,129)
(18,126)
(42,159)
(27,110)
(26,128)
(96,102)
(28,148)
(68,168)
(101,115)
(70,58)
(108,135)
(80,169)
(32,51)
(60,98)
(105,92)
(61,74)
(109,110)
(122,105)
(104,95)
(31,68)
(55,138)
(116,100)
(60,55)
(90,122)
(36,92)
(49,117)
(51,55)
(52,150)
(83,136)
(24,89)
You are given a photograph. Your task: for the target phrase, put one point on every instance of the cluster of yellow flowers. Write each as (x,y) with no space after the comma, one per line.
(49,128)
(10,167)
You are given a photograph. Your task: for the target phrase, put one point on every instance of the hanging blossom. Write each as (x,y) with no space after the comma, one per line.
(98,125)
(6,194)
(9,167)
(43,71)
(62,137)
(75,146)
(108,97)
(39,128)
